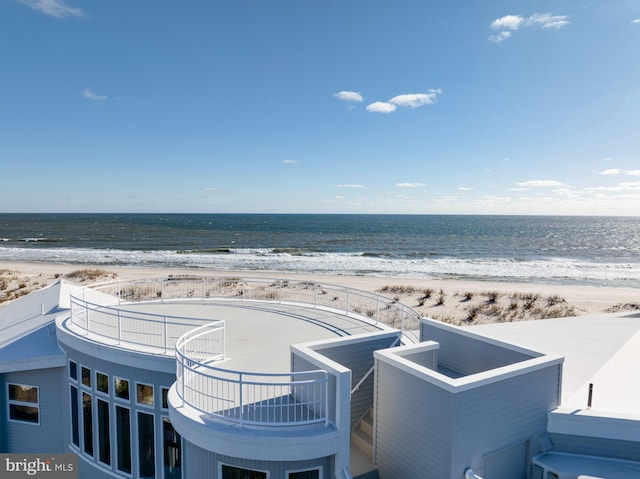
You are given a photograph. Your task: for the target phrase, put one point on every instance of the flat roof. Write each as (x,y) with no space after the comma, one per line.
(258,334)
(602,349)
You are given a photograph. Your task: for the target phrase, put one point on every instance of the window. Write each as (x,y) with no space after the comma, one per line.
(87,423)
(232,472)
(86,376)
(144,394)
(104,432)
(102,383)
(23,401)
(172,450)
(75,429)
(306,474)
(165,398)
(146,446)
(123,439)
(73,370)
(122,388)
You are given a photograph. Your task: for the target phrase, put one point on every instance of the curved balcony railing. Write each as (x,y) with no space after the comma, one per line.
(101,309)
(246,398)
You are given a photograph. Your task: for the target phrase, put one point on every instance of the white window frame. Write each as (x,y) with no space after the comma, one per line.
(221,464)
(136,440)
(15,402)
(153,396)
(95,388)
(80,378)
(118,398)
(72,445)
(132,448)
(104,399)
(83,442)
(162,389)
(304,469)
(162,418)
(69,370)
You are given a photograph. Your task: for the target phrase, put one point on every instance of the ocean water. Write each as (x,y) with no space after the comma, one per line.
(547,249)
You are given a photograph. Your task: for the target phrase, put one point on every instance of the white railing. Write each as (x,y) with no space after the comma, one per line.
(246,398)
(99,308)
(127,328)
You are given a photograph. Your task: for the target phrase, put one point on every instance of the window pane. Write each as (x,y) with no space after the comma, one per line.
(172,451)
(313,474)
(144,394)
(87,422)
(86,377)
(165,398)
(73,370)
(102,383)
(146,447)
(23,413)
(22,393)
(104,432)
(230,472)
(75,431)
(123,436)
(122,388)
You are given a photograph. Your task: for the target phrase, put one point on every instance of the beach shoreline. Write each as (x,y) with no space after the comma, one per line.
(452,300)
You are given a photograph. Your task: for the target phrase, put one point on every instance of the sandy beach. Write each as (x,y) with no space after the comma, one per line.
(453,301)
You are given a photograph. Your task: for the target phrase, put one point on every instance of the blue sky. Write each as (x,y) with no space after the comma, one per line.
(333,106)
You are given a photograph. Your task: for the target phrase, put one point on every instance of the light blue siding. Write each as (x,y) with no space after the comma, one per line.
(413,426)
(424,430)
(498,415)
(466,355)
(46,436)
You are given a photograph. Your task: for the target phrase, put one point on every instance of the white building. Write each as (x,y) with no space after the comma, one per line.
(271,379)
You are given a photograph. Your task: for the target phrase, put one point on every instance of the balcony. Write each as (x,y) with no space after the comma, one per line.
(245,398)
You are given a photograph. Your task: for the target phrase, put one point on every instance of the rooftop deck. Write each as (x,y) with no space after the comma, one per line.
(231,338)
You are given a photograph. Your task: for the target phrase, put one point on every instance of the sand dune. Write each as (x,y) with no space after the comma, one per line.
(455,301)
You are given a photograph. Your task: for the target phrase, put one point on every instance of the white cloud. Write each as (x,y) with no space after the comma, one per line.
(539,183)
(618,171)
(500,37)
(546,20)
(414,100)
(53,8)
(349,96)
(289,162)
(511,23)
(624,186)
(381,107)
(409,100)
(409,185)
(508,22)
(637,21)
(464,188)
(610,171)
(347,185)
(89,95)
